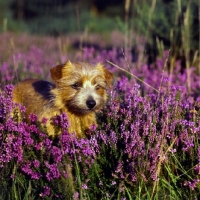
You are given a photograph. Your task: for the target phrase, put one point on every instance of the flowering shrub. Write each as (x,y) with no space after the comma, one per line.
(146,145)
(149,139)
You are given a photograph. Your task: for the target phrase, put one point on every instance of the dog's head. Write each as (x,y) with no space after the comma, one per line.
(81,86)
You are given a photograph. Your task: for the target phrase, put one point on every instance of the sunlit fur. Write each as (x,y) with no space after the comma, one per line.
(79,91)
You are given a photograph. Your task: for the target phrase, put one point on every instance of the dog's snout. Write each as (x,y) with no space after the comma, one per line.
(91,103)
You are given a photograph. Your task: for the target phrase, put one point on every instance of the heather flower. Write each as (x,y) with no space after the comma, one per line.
(57,154)
(53,173)
(192,184)
(8,89)
(113,183)
(33,118)
(47,143)
(62,121)
(46,191)
(1,127)
(197,169)
(27,169)
(38,146)
(33,129)
(12,176)
(36,163)
(84,186)
(76,195)
(44,120)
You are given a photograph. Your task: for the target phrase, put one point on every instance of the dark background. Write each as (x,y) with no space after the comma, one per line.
(167,21)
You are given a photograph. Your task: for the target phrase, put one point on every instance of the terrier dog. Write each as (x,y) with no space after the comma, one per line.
(79,91)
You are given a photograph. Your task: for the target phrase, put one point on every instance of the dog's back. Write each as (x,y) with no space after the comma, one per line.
(34,95)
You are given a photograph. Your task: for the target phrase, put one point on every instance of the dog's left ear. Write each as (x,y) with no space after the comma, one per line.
(56,72)
(108,75)
(60,71)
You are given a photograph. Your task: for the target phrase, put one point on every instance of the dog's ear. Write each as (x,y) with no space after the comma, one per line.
(60,71)
(56,72)
(108,75)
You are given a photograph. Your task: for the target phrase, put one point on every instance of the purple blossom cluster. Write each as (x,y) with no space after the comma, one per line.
(147,131)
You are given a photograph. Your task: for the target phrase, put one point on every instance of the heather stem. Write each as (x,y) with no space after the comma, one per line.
(78,174)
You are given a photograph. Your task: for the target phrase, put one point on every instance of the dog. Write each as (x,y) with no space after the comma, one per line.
(79,90)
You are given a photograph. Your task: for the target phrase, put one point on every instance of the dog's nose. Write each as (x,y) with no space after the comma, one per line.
(90,103)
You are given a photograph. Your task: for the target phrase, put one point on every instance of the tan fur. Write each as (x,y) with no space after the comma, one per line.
(77,87)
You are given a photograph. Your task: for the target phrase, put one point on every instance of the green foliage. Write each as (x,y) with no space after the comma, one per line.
(173,22)
(7,22)
(44,19)
(56,26)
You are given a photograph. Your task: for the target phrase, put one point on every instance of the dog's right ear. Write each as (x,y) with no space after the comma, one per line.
(108,75)
(59,71)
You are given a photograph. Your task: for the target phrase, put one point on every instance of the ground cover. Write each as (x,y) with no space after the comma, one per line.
(146,145)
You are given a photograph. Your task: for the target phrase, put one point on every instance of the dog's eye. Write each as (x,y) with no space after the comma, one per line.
(97,87)
(76,85)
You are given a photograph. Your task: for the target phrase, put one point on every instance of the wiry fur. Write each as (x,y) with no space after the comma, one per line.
(79,90)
